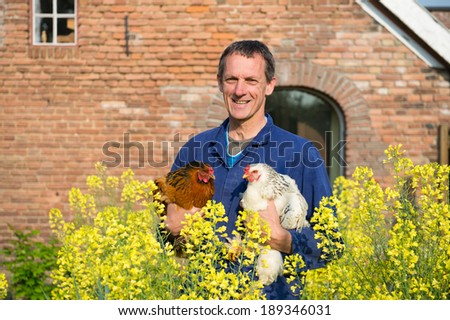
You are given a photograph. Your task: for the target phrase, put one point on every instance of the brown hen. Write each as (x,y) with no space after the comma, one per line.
(189,186)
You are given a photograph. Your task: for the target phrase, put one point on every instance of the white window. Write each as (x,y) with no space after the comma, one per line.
(54,22)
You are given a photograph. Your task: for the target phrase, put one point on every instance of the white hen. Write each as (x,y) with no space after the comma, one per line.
(265,184)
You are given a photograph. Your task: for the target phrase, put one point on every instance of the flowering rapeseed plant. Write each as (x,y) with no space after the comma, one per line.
(215,269)
(116,248)
(381,243)
(112,252)
(397,239)
(3,286)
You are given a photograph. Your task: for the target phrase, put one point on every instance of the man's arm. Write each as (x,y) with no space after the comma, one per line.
(280,238)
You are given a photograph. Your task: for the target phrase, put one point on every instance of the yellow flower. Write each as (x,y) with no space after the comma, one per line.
(116,248)
(379,243)
(397,240)
(3,286)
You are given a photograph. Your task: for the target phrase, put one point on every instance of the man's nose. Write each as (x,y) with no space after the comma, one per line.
(240,88)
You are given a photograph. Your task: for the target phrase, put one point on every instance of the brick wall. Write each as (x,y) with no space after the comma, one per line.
(59,106)
(443,17)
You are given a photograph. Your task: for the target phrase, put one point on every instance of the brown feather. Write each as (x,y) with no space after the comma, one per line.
(185,188)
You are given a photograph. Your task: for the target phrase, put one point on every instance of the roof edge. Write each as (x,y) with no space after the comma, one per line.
(415,27)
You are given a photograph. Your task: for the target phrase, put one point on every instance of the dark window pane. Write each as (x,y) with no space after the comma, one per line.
(65,30)
(66,6)
(302,113)
(44,6)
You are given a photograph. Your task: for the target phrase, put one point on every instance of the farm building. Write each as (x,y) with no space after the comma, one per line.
(127,82)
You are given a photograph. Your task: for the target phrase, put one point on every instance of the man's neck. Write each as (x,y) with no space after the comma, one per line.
(246,129)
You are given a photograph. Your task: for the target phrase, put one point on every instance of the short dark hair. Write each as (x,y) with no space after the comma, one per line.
(249,48)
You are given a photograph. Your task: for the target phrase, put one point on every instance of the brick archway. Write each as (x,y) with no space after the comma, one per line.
(343,91)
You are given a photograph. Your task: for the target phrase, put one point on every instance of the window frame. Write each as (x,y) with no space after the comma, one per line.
(335,138)
(55,16)
(444,144)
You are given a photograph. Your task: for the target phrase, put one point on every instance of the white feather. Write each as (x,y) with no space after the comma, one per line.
(291,207)
(269,266)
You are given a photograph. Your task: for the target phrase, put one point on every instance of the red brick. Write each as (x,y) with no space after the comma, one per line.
(53,122)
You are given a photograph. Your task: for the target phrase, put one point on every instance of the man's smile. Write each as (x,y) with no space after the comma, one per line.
(241,101)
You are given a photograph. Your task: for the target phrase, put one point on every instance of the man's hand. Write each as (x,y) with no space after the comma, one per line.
(280,238)
(175,217)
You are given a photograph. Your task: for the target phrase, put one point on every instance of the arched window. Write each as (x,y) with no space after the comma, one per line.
(314,116)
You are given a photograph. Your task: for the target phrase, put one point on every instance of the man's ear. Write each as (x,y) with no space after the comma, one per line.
(220,83)
(271,86)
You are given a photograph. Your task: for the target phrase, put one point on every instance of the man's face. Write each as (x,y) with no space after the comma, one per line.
(244,86)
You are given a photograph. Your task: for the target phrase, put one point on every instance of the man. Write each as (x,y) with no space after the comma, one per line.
(246,75)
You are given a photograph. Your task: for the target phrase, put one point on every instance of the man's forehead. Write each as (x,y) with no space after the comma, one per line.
(255,55)
(255,63)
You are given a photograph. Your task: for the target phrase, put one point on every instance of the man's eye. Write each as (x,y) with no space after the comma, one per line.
(252,81)
(230,80)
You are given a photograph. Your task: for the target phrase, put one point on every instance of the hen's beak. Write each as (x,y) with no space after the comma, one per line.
(245,176)
(212,176)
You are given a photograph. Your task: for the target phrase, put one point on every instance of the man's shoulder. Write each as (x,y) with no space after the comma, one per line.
(205,136)
(212,132)
(294,147)
(283,135)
